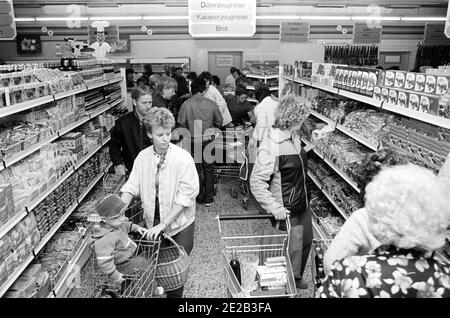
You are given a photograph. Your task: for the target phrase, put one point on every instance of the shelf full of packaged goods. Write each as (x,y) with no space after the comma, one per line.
(115,80)
(63,283)
(308,143)
(314,179)
(302,81)
(421,116)
(323,118)
(338,208)
(319,232)
(5,286)
(12,222)
(64,177)
(361,98)
(264,77)
(358,138)
(23,154)
(326,88)
(17,108)
(69,93)
(97,85)
(342,174)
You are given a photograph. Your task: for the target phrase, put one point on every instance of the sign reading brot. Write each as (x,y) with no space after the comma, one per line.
(215,18)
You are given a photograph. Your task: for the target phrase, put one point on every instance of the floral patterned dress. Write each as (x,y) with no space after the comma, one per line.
(388,273)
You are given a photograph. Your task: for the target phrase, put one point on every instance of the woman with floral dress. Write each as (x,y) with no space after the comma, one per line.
(408,214)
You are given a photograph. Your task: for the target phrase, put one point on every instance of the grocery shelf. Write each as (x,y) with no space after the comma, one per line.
(425,117)
(28,151)
(313,179)
(361,98)
(115,80)
(329,89)
(264,77)
(342,174)
(90,154)
(64,177)
(5,286)
(357,137)
(69,93)
(340,210)
(302,81)
(117,102)
(11,279)
(17,108)
(12,222)
(91,186)
(288,78)
(323,118)
(97,112)
(317,229)
(97,85)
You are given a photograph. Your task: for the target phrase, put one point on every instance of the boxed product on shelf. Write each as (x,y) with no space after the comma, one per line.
(7,209)
(393,97)
(400,78)
(389,78)
(420,83)
(414,101)
(385,94)
(410,81)
(429,104)
(430,84)
(372,81)
(72,140)
(442,85)
(402,100)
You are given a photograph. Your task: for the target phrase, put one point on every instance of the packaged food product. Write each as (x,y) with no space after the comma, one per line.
(385,94)
(400,77)
(393,96)
(389,79)
(30,91)
(442,85)
(353,80)
(346,78)
(17,78)
(402,99)
(373,78)
(377,93)
(430,84)
(420,83)
(429,104)
(410,81)
(5,80)
(363,82)
(381,77)
(414,102)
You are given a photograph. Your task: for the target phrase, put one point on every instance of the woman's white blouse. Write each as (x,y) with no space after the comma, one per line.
(178,183)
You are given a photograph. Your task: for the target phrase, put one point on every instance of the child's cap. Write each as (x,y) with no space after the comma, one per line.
(110,206)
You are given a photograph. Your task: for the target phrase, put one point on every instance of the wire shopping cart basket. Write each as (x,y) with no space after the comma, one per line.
(244,247)
(139,283)
(319,248)
(234,169)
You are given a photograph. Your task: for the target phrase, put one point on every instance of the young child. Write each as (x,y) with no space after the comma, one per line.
(111,244)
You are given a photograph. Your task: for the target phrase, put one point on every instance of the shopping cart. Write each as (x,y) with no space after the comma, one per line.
(319,248)
(254,245)
(138,284)
(234,170)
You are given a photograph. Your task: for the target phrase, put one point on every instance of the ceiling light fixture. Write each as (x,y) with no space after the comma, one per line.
(318,17)
(62,19)
(277,17)
(423,19)
(370,18)
(25,19)
(119,18)
(169,17)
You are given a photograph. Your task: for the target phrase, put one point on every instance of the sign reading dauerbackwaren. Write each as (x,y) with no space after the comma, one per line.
(7,22)
(218,18)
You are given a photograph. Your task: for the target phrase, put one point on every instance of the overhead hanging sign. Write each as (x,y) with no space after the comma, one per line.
(434,34)
(7,20)
(447,22)
(362,33)
(294,31)
(216,18)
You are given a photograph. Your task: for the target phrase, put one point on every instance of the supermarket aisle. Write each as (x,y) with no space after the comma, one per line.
(206,277)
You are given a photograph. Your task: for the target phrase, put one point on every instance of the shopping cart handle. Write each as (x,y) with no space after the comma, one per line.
(245,217)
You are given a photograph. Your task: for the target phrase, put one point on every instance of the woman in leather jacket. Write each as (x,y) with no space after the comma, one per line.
(278,179)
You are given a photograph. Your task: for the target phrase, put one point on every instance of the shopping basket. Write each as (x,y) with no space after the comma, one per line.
(319,248)
(254,245)
(173,266)
(138,284)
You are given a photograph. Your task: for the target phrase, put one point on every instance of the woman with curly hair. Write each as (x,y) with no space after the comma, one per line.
(278,178)
(408,214)
(354,237)
(165,178)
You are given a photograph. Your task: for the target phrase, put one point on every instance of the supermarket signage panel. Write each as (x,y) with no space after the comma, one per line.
(364,34)
(294,31)
(447,22)
(216,18)
(7,20)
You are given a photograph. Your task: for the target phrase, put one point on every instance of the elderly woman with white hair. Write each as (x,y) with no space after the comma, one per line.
(409,213)
(278,179)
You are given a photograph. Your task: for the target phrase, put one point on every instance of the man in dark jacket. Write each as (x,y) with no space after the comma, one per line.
(128,136)
(239,107)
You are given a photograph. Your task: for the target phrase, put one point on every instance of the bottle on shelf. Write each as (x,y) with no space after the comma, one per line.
(236,267)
